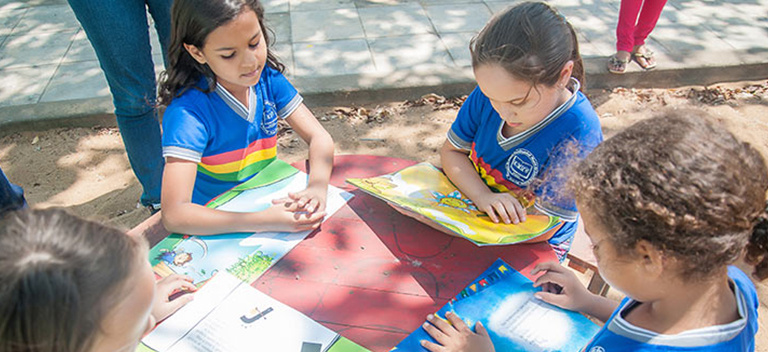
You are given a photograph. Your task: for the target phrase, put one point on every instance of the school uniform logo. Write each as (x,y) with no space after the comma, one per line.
(269,120)
(597,349)
(522,167)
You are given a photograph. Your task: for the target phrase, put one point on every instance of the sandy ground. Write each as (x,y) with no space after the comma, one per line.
(86,169)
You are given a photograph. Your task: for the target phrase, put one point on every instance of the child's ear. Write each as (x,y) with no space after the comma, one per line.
(565,74)
(652,259)
(196,53)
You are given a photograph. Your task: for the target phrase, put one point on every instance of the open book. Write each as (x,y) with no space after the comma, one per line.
(244,255)
(502,300)
(230,315)
(425,190)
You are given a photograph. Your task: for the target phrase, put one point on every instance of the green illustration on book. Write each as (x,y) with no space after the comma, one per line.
(425,190)
(245,255)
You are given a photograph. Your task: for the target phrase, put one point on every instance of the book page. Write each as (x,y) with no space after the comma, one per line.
(229,315)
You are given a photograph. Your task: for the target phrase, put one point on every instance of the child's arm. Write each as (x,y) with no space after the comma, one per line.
(561,288)
(462,173)
(320,159)
(455,336)
(182,216)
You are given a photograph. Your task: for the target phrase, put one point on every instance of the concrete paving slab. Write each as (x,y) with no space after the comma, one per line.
(424,52)
(498,6)
(80,49)
(376,3)
(77,80)
(595,21)
(42,19)
(35,49)
(458,46)
(273,6)
(280,24)
(9,19)
(284,53)
(396,20)
(314,5)
(339,57)
(470,17)
(323,25)
(24,85)
(431,2)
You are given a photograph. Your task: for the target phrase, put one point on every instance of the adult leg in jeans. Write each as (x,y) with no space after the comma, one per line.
(119,33)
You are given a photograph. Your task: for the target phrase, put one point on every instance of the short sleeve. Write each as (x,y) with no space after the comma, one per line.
(185,135)
(551,197)
(462,132)
(282,93)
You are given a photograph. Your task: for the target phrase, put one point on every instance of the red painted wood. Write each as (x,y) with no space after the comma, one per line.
(373,274)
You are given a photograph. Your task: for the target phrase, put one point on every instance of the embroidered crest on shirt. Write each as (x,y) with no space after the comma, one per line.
(522,167)
(597,349)
(269,121)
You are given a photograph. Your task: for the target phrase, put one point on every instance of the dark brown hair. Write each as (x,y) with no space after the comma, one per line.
(191,23)
(532,41)
(679,181)
(60,275)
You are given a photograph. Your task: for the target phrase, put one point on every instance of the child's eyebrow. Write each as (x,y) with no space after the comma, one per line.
(258,33)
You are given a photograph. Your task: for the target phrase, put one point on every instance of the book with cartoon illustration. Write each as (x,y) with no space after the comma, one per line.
(230,315)
(244,255)
(425,190)
(502,300)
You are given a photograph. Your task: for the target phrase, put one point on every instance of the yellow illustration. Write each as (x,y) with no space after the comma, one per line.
(424,189)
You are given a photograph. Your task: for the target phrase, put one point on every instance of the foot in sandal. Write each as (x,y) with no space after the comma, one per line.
(617,63)
(644,57)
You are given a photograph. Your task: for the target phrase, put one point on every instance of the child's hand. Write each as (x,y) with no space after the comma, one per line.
(287,215)
(311,199)
(456,335)
(505,205)
(561,287)
(163,307)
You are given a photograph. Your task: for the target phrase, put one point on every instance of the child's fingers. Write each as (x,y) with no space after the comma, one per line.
(312,205)
(498,207)
(546,266)
(480,330)
(515,205)
(491,213)
(456,321)
(558,278)
(438,329)
(309,218)
(431,346)
(177,303)
(559,300)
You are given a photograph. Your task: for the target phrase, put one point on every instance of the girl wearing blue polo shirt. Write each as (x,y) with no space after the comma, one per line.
(225,93)
(526,118)
(669,204)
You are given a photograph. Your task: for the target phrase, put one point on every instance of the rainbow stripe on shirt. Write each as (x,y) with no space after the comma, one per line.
(494,179)
(240,164)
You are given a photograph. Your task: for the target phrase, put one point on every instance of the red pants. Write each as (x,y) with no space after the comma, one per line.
(632,29)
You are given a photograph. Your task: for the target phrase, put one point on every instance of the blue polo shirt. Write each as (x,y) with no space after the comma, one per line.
(520,163)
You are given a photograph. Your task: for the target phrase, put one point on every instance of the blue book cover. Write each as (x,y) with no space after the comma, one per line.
(514,318)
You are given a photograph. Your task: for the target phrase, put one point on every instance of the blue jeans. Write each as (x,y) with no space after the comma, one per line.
(11,196)
(119,33)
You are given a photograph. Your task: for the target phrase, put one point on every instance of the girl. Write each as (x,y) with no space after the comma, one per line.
(669,205)
(71,285)
(525,116)
(225,93)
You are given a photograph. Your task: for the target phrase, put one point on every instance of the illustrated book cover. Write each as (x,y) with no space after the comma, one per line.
(502,300)
(425,190)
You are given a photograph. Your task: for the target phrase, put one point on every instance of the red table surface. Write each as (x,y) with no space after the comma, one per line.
(372,274)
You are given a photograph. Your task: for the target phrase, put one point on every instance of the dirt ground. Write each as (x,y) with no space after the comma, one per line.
(87,171)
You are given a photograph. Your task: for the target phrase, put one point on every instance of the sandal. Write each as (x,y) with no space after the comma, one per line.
(616,65)
(648,63)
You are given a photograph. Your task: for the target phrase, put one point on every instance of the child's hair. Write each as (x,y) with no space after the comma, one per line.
(192,21)
(60,276)
(681,182)
(532,41)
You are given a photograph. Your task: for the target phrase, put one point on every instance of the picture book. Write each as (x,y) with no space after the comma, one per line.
(502,300)
(244,255)
(425,190)
(230,315)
